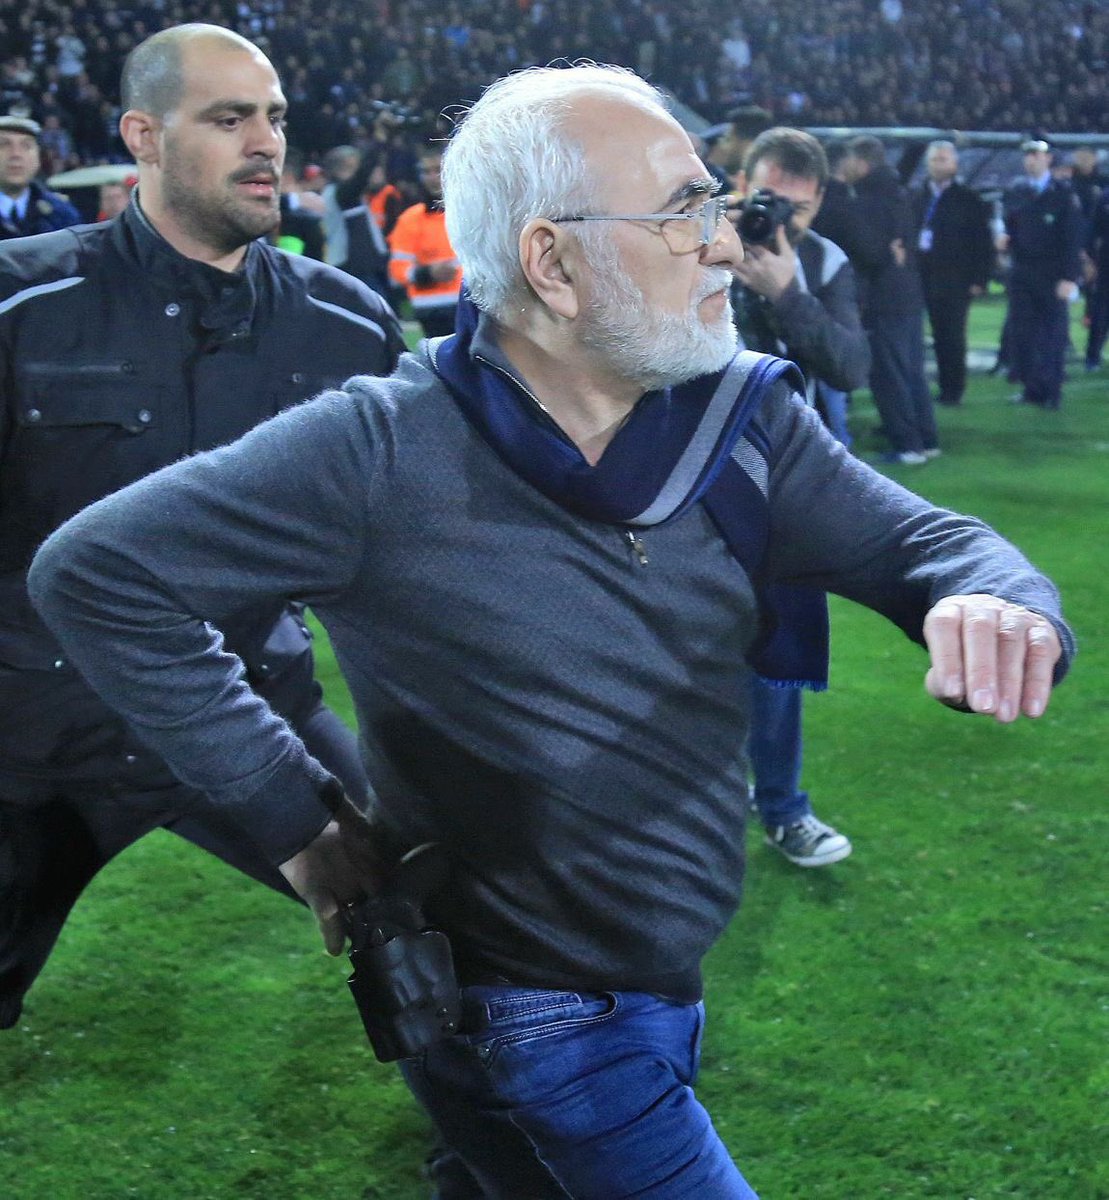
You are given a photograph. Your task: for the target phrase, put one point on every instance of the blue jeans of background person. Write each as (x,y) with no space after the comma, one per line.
(833,405)
(774,748)
(554,1094)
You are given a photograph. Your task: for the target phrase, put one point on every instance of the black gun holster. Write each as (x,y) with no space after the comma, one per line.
(403,982)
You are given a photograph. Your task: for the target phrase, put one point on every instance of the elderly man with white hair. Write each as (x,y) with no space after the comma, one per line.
(549,552)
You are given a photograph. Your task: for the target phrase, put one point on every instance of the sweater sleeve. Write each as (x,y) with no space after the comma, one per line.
(135,588)
(839,525)
(822,329)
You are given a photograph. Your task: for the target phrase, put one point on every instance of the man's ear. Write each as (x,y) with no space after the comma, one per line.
(547,261)
(140,132)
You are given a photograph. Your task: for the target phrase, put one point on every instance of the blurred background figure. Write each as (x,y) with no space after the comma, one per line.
(956,257)
(1097,248)
(301,229)
(727,144)
(1043,235)
(27,206)
(892,303)
(422,260)
(1088,183)
(340,167)
(114,198)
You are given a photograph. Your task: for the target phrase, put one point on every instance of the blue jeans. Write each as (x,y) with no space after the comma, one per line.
(774,748)
(834,404)
(587,1095)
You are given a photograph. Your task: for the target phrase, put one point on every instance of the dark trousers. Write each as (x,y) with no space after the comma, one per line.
(948,306)
(897,381)
(1038,323)
(1097,306)
(54,839)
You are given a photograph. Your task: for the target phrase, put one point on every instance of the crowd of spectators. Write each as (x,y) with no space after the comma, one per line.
(378,73)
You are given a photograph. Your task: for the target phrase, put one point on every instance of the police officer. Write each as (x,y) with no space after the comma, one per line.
(26,206)
(1044,228)
(125,346)
(955,256)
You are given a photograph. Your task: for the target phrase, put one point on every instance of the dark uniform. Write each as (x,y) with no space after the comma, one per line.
(117,356)
(45,212)
(955,254)
(893,310)
(1098,249)
(1045,240)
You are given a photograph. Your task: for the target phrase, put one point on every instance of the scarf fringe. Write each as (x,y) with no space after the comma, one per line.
(808,685)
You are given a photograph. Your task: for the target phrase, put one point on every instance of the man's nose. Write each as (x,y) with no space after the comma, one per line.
(725,249)
(267,140)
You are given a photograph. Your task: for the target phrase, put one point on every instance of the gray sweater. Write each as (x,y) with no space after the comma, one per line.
(567,720)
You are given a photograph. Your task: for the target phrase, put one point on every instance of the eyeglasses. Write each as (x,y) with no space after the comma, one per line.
(709,214)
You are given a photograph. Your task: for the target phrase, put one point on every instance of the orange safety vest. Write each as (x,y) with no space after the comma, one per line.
(378,202)
(419,238)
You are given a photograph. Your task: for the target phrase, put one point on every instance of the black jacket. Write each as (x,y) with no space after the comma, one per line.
(961,254)
(817,325)
(1097,245)
(881,215)
(118,356)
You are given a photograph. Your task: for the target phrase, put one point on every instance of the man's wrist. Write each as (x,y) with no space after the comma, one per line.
(286,813)
(784,302)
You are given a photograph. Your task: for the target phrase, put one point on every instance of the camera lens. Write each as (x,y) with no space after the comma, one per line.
(756,224)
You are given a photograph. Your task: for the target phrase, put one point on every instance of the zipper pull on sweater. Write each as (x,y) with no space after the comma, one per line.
(637,547)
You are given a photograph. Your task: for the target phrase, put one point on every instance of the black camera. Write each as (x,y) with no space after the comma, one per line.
(760,216)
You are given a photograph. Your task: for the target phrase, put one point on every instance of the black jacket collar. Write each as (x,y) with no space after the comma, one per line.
(224,301)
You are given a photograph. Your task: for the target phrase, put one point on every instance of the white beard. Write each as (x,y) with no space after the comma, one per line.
(656,349)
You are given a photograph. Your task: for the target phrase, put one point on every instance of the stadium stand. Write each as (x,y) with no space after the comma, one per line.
(377,74)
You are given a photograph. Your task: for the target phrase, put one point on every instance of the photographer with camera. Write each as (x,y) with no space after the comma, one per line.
(796,298)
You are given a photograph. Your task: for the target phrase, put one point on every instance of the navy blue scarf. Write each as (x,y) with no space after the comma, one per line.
(674,451)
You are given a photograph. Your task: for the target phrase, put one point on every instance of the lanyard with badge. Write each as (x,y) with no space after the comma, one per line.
(924,240)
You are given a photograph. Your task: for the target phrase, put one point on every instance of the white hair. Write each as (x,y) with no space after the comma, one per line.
(511,159)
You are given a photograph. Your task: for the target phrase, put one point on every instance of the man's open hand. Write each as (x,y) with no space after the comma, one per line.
(991,656)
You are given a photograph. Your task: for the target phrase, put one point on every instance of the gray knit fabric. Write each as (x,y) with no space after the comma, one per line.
(566,719)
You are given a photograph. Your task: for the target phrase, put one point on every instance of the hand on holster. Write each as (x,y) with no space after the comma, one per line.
(339,865)
(403,982)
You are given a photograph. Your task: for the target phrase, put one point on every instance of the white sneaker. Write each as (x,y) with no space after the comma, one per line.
(809,842)
(906,458)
